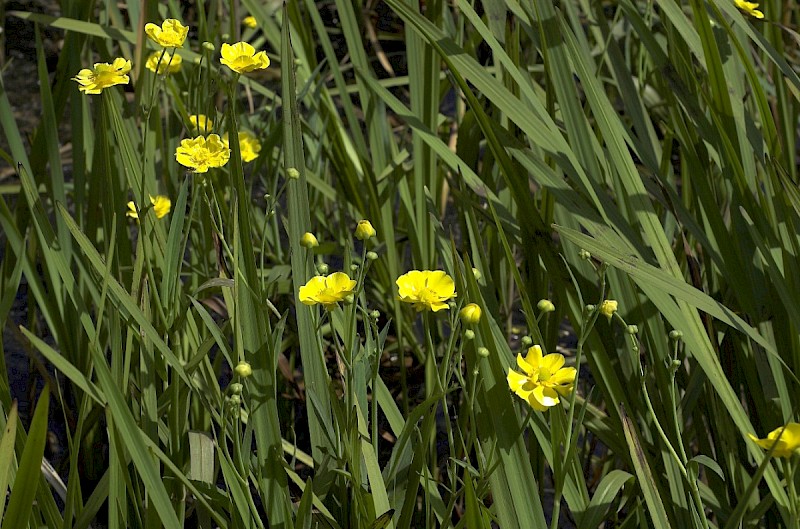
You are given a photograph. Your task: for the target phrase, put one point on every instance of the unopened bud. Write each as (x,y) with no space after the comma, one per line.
(236,388)
(364,230)
(469,334)
(243,369)
(372,256)
(585,255)
(209,46)
(526,341)
(322,268)
(308,240)
(545,305)
(675,335)
(471,313)
(632,329)
(477,274)
(375,314)
(483,352)
(293,173)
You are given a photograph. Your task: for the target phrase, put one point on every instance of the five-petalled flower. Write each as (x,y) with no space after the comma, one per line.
(171,34)
(543,378)
(242,57)
(103,75)
(785,439)
(327,290)
(426,289)
(202,153)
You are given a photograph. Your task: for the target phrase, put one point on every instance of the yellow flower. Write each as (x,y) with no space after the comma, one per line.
(250,22)
(202,153)
(327,290)
(750,8)
(249,146)
(93,81)
(201,123)
(364,230)
(471,313)
(544,378)
(161,206)
(308,240)
(242,57)
(608,307)
(789,441)
(426,289)
(169,63)
(171,34)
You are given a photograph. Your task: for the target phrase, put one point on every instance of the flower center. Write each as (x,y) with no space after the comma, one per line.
(544,375)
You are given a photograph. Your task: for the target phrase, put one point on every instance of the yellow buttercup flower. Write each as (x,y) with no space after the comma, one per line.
(786,445)
(250,22)
(249,146)
(103,75)
(201,123)
(544,378)
(161,206)
(171,34)
(201,153)
(242,57)
(364,230)
(169,63)
(471,313)
(751,8)
(426,289)
(327,290)
(608,307)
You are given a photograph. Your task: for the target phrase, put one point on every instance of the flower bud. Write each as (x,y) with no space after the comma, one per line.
(526,341)
(583,254)
(235,401)
(675,335)
(353,267)
(209,45)
(608,307)
(322,268)
(590,308)
(483,352)
(632,329)
(471,313)
(349,299)
(545,305)
(375,314)
(293,173)
(243,369)
(477,274)
(675,364)
(308,240)
(226,37)
(372,256)
(469,334)
(364,230)
(236,388)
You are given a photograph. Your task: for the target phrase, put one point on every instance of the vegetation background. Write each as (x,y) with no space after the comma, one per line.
(573,151)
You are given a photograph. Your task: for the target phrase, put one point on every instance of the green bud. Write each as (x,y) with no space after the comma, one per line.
(372,256)
(209,46)
(469,334)
(590,308)
(293,173)
(243,369)
(308,240)
(585,255)
(236,388)
(349,299)
(235,401)
(675,335)
(632,329)
(483,352)
(353,267)
(477,274)
(526,341)
(375,314)
(322,268)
